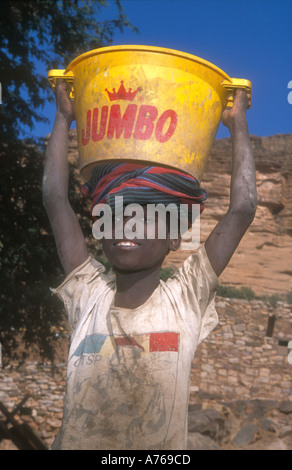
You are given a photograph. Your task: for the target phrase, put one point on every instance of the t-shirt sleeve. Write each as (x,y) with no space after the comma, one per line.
(202,282)
(75,289)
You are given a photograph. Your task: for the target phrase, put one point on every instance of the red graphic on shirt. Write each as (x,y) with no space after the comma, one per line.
(151,342)
(127,341)
(164,342)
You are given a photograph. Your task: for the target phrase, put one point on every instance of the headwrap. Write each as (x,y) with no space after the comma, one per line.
(143,185)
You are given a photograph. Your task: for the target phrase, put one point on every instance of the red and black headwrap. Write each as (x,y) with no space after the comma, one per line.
(143,185)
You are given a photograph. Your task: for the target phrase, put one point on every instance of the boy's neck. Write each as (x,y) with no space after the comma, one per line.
(135,288)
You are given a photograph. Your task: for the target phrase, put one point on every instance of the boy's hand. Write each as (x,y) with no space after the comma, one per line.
(68,235)
(236,114)
(64,104)
(225,237)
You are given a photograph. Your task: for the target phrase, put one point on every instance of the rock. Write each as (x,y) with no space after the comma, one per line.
(194,407)
(54,423)
(286,432)
(197,441)
(221,304)
(286,407)
(258,408)
(268,425)
(251,408)
(246,435)
(207,422)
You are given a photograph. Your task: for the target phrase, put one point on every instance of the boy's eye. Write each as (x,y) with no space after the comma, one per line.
(139,220)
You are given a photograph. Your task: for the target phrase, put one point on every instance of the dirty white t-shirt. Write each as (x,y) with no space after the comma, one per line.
(128,369)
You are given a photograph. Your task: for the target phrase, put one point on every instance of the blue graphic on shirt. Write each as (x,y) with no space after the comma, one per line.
(92,344)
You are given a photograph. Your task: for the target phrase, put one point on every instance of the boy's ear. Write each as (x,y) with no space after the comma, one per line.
(174,243)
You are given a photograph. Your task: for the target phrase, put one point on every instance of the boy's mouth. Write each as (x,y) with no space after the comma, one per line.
(126,244)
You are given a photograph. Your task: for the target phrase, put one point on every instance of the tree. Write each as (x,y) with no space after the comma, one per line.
(49,33)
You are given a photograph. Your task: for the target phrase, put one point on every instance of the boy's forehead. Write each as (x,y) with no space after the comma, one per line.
(136,209)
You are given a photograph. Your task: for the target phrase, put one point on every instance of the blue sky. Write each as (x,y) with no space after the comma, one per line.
(249,39)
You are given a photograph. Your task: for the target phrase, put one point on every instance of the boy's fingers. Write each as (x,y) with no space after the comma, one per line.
(62,84)
(241,98)
(59,81)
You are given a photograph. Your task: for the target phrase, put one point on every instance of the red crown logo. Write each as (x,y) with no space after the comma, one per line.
(122,94)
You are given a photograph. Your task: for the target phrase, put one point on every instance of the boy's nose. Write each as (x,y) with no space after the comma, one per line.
(136,230)
(119,227)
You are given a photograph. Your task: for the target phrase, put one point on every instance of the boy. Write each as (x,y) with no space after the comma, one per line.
(133,337)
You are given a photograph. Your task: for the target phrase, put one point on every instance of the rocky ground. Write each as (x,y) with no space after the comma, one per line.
(215,422)
(241,425)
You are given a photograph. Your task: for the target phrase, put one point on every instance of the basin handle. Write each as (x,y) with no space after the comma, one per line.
(233,85)
(54,74)
(230,86)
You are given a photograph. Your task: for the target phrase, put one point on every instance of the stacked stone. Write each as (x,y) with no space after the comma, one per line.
(45,386)
(238,360)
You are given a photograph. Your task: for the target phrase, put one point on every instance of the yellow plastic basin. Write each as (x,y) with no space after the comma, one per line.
(150,104)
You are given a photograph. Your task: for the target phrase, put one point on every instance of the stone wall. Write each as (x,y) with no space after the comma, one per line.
(45,386)
(238,360)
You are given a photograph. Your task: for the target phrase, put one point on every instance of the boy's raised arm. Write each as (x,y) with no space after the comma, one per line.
(68,235)
(225,237)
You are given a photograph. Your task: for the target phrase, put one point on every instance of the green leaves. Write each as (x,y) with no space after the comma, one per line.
(48,33)
(35,36)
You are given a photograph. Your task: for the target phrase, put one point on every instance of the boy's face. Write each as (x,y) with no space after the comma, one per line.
(138,254)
